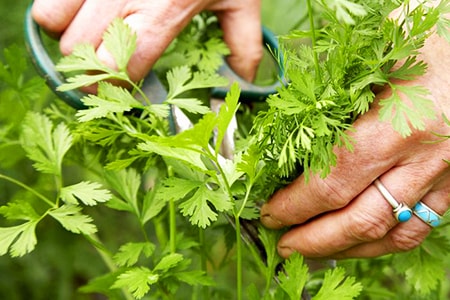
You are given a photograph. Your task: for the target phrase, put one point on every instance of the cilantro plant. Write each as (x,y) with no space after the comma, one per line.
(182,204)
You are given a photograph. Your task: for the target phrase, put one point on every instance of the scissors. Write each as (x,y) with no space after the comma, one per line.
(156,91)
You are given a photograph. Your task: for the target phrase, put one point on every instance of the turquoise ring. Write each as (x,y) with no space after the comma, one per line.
(401,212)
(426,214)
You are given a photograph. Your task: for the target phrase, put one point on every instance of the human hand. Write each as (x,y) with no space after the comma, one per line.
(344,215)
(156,24)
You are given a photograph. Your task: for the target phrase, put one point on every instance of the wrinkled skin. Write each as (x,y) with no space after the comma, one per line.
(340,216)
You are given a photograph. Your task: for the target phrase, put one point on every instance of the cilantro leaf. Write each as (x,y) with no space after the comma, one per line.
(198,207)
(423,266)
(294,277)
(110,99)
(83,58)
(443,23)
(44,144)
(169,261)
(120,42)
(19,210)
(129,253)
(182,79)
(226,113)
(19,239)
(192,105)
(397,111)
(127,183)
(344,10)
(137,281)
(70,218)
(89,193)
(336,286)
(195,277)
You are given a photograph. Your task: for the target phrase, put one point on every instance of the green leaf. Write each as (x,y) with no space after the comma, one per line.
(199,209)
(71,219)
(195,277)
(169,261)
(152,206)
(110,99)
(294,277)
(344,9)
(397,110)
(337,286)
(137,281)
(191,105)
(129,253)
(120,41)
(82,80)
(44,144)
(20,239)
(423,266)
(409,70)
(19,210)
(226,113)
(83,58)
(443,23)
(89,193)
(181,79)
(127,183)
(165,147)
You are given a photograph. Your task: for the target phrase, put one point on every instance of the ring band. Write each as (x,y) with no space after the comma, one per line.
(426,214)
(402,212)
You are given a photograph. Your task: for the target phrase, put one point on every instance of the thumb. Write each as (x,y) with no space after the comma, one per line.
(242,34)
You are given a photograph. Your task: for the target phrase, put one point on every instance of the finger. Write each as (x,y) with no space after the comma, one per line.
(369,217)
(242,34)
(156,24)
(406,236)
(302,200)
(55,15)
(377,148)
(90,23)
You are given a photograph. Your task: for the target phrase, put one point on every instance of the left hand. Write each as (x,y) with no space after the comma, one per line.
(344,215)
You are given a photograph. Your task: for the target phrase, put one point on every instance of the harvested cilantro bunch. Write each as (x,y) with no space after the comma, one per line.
(332,75)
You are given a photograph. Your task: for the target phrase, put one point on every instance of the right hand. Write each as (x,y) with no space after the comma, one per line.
(156,24)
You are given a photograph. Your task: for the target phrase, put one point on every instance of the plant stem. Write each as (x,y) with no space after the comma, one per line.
(106,257)
(172,226)
(172,219)
(26,187)
(313,38)
(239,258)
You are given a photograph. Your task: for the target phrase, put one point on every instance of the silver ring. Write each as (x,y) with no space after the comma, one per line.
(426,214)
(401,212)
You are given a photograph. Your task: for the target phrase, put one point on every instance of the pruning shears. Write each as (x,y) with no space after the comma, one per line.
(156,91)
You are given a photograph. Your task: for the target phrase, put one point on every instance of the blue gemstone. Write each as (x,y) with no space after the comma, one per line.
(404,215)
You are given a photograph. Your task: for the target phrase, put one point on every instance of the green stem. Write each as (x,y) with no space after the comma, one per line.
(238,258)
(172,219)
(203,260)
(106,257)
(313,38)
(172,226)
(26,187)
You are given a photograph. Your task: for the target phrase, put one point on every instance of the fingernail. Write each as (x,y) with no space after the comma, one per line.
(285,251)
(270,222)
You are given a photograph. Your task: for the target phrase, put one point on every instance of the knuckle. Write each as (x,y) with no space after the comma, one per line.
(328,193)
(366,227)
(407,241)
(47,18)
